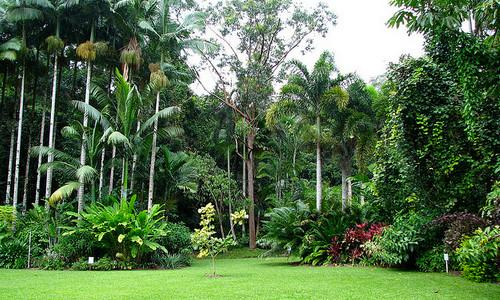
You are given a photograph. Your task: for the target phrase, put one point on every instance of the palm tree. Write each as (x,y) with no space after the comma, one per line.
(22,12)
(308,93)
(166,34)
(352,134)
(8,51)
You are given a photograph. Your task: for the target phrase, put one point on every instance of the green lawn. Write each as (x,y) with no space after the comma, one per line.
(242,278)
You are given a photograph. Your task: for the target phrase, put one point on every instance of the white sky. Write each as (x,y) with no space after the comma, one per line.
(361,41)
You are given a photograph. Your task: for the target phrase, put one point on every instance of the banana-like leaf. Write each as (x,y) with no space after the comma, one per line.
(63,192)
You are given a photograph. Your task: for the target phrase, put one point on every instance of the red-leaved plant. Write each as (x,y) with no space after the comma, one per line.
(354,238)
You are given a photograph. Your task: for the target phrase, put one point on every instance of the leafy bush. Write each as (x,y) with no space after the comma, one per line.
(398,242)
(51,261)
(80,265)
(104,264)
(177,239)
(457,225)
(317,240)
(173,261)
(7,214)
(355,237)
(433,260)
(13,254)
(121,230)
(479,255)
(75,246)
(285,227)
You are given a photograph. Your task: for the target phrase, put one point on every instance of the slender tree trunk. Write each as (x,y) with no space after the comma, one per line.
(26,178)
(343,169)
(112,170)
(233,233)
(349,189)
(244,175)
(19,138)
(153,155)
(101,172)
(52,139)
(83,150)
(9,170)
(134,161)
(4,86)
(124,189)
(42,137)
(250,171)
(318,166)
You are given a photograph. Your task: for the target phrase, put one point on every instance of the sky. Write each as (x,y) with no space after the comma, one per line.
(360,41)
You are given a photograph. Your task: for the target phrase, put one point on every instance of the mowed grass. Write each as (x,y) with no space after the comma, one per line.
(250,278)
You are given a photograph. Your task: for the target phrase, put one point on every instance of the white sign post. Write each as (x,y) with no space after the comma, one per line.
(446,258)
(91,260)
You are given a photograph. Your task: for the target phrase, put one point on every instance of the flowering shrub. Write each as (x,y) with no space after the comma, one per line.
(204,239)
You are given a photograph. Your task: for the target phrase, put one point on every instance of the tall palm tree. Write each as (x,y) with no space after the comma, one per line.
(167,33)
(308,93)
(20,12)
(8,51)
(352,130)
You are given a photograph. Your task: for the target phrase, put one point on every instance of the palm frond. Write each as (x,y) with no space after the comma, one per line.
(63,192)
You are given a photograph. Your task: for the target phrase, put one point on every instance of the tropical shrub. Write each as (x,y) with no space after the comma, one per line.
(13,254)
(457,225)
(479,255)
(204,239)
(317,239)
(50,261)
(121,230)
(355,237)
(399,242)
(433,260)
(173,261)
(78,245)
(286,227)
(7,214)
(177,239)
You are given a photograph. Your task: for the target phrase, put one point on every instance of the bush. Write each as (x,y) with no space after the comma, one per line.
(80,265)
(121,230)
(13,254)
(173,261)
(398,242)
(317,240)
(457,225)
(479,255)
(355,237)
(177,238)
(286,227)
(75,246)
(51,261)
(433,260)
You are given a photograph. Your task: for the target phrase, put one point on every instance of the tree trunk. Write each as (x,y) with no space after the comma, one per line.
(231,224)
(4,85)
(9,170)
(101,172)
(318,165)
(83,151)
(345,168)
(42,137)
(19,138)
(251,196)
(26,178)
(124,189)
(48,185)
(134,160)
(112,170)
(244,175)
(153,155)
